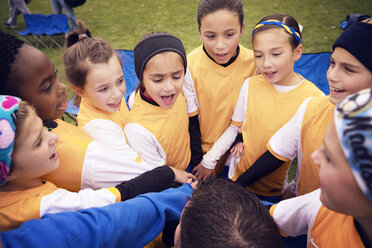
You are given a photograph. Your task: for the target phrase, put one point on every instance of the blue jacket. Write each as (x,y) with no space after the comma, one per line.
(133,223)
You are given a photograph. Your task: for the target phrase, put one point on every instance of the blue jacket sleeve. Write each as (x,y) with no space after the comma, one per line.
(133,223)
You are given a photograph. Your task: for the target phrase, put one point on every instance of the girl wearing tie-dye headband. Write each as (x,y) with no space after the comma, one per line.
(339,214)
(28,151)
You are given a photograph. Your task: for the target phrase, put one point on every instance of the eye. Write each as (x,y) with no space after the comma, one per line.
(103,89)
(121,81)
(349,70)
(48,87)
(39,142)
(257,56)
(176,77)
(210,36)
(277,54)
(230,34)
(332,63)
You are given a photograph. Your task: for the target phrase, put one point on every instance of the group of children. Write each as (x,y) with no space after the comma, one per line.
(220,104)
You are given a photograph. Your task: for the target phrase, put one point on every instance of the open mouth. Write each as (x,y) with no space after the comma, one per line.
(168,100)
(115,105)
(63,105)
(336,89)
(54,156)
(221,56)
(270,74)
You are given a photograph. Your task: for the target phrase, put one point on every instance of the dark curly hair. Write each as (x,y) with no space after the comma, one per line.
(9,48)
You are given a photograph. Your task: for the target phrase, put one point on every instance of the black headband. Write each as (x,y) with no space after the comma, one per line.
(153,45)
(357,40)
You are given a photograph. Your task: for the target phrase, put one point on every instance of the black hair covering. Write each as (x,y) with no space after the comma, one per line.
(149,47)
(357,40)
(9,47)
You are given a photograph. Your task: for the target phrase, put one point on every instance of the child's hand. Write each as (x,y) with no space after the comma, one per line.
(181,176)
(202,173)
(237,149)
(193,184)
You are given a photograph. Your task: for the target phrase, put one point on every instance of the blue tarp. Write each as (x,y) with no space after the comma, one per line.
(313,66)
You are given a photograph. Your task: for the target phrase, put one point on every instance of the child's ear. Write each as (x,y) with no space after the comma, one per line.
(243,26)
(79,91)
(297,52)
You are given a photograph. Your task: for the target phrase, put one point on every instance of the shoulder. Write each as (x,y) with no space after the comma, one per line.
(194,53)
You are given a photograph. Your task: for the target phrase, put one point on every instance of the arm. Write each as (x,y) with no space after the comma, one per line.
(266,164)
(156,180)
(220,147)
(295,215)
(132,223)
(188,91)
(106,132)
(286,141)
(62,200)
(195,141)
(145,143)
(229,135)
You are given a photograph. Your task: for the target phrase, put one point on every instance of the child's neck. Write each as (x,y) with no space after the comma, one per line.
(146,97)
(364,227)
(291,79)
(21,184)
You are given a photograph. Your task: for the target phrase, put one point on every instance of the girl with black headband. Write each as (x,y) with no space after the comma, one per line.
(350,70)
(95,72)
(265,103)
(157,125)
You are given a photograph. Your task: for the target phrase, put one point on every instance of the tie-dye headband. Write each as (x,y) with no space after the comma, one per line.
(353,120)
(8,107)
(287,28)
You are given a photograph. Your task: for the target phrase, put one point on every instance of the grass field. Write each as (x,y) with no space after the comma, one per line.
(124,22)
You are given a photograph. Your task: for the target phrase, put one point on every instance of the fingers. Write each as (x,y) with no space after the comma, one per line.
(190,175)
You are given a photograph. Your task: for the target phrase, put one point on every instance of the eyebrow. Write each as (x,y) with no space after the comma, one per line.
(272,49)
(212,32)
(345,63)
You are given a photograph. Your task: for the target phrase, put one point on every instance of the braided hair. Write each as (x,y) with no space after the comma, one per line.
(9,48)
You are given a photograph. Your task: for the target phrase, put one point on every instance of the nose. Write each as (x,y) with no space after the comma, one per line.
(332,75)
(267,62)
(53,138)
(315,157)
(61,88)
(169,85)
(220,44)
(118,93)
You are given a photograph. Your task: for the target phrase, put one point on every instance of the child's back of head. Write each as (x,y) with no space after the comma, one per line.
(224,214)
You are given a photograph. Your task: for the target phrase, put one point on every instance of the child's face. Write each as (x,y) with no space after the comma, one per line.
(346,75)
(275,57)
(35,150)
(41,87)
(339,190)
(220,32)
(105,85)
(163,78)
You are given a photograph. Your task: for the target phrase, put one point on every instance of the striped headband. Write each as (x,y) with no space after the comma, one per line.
(289,29)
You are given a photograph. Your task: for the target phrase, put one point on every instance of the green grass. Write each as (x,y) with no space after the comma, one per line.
(124,22)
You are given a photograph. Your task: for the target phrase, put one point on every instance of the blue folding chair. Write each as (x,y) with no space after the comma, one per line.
(52,26)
